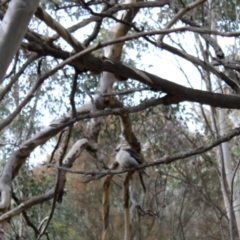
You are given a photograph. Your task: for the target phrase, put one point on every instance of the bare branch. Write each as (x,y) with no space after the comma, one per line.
(44,16)
(125,92)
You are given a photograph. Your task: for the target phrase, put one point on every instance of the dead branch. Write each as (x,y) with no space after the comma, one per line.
(67,163)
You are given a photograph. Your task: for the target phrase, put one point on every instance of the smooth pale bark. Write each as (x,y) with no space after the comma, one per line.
(14,27)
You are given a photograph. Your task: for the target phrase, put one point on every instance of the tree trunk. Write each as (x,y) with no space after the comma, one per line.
(14,27)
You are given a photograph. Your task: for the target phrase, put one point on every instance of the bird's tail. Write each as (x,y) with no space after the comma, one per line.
(142,182)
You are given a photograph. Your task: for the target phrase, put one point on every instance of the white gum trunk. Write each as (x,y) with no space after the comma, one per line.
(14,27)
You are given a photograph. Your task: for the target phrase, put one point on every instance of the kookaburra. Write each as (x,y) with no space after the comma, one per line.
(128,158)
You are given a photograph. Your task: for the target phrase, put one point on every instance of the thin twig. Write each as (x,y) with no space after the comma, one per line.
(73,92)
(90,95)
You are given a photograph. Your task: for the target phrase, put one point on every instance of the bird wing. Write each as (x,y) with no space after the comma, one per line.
(133,154)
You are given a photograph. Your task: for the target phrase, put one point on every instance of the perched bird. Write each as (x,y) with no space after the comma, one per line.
(128,158)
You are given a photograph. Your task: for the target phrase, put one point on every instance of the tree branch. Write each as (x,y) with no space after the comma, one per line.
(97,175)
(164,160)
(53,24)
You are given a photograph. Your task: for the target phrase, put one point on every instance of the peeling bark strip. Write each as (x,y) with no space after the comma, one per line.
(127,222)
(15,23)
(106,206)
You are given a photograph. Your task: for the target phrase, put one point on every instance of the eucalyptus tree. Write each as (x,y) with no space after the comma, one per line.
(69,64)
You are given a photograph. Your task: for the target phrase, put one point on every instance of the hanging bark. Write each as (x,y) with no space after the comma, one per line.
(106,206)
(126,207)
